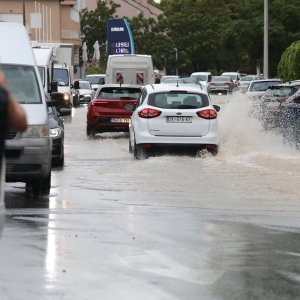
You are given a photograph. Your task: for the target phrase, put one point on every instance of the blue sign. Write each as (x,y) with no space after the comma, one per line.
(119,37)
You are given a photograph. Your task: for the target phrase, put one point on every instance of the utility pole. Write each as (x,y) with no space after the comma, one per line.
(176,59)
(266,39)
(24,19)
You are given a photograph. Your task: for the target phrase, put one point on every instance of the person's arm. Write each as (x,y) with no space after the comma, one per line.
(16,116)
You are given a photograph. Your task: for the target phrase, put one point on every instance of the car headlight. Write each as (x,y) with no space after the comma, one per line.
(36,131)
(67,97)
(55,132)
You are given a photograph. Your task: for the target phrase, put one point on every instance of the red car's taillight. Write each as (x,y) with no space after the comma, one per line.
(207,114)
(148,113)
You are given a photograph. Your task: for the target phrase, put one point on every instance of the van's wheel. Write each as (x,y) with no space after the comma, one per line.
(41,186)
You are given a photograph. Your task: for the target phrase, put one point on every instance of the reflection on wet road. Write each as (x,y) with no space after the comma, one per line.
(169,227)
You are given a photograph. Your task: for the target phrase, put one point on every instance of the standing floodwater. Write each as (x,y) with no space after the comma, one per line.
(168,227)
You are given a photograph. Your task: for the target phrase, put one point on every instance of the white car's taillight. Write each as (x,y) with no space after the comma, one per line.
(148,113)
(207,114)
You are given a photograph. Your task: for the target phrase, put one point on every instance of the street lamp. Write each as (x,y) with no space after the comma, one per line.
(176,59)
(266,39)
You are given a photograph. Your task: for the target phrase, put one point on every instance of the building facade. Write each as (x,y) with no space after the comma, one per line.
(47,21)
(129,8)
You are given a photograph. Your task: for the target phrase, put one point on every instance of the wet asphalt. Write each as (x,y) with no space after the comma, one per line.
(173,226)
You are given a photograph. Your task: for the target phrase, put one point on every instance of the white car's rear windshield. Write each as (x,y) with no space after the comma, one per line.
(174,100)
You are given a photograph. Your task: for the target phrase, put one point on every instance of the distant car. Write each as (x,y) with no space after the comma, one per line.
(202,78)
(111,108)
(271,103)
(83,92)
(56,125)
(257,88)
(221,85)
(172,116)
(168,78)
(95,80)
(235,76)
(244,82)
(291,119)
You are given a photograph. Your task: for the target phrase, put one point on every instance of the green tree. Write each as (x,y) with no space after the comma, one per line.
(242,35)
(93,25)
(289,65)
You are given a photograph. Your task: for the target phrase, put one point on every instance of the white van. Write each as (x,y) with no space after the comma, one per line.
(130,69)
(28,154)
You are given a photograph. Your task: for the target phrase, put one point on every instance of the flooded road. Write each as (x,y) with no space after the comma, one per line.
(168,227)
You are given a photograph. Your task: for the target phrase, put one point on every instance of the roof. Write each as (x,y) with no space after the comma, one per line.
(15,46)
(42,56)
(160,87)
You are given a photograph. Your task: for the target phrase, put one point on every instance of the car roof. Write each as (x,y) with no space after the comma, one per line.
(115,85)
(160,87)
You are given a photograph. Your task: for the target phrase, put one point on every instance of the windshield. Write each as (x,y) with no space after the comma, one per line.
(246,78)
(262,86)
(221,78)
(84,85)
(119,93)
(61,76)
(23,83)
(196,78)
(94,79)
(280,91)
(178,100)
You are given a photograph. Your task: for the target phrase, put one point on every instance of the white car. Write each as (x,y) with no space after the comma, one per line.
(244,82)
(257,88)
(95,80)
(173,115)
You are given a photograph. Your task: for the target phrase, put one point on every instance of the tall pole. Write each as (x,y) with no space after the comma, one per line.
(266,39)
(176,58)
(24,19)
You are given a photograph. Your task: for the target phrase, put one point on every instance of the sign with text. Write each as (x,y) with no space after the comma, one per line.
(119,37)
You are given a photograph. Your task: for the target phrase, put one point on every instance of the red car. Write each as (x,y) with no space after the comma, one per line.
(111,108)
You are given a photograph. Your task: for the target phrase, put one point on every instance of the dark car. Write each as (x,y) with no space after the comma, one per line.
(111,108)
(271,103)
(291,119)
(56,125)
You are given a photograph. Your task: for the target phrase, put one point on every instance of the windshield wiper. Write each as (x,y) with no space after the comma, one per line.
(186,106)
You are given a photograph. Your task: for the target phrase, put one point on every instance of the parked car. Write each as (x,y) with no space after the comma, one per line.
(111,108)
(271,103)
(95,80)
(172,116)
(221,85)
(56,125)
(257,88)
(244,82)
(82,92)
(291,119)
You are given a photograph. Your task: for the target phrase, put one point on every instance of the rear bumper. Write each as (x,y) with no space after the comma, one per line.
(212,138)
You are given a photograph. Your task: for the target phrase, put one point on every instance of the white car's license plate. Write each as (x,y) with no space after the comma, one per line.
(179,119)
(119,120)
